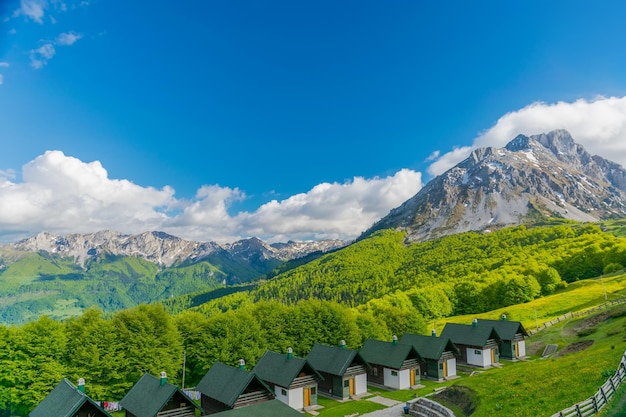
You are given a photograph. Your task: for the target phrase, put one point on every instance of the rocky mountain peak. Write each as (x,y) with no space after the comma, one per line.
(546,175)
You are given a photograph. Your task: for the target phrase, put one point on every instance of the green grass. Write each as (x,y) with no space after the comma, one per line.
(334,408)
(578,296)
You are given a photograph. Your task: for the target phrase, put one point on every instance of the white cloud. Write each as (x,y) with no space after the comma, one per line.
(62,194)
(1,79)
(68,38)
(599,125)
(32,9)
(332,210)
(40,56)
(433,156)
(4,64)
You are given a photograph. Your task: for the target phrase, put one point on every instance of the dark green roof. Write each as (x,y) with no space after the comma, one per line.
(505,328)
(272,408)
(429,347)
(64,401)
(147,397)
(469,335)
(334,360)
(281,370)
(226,383)
(388,354)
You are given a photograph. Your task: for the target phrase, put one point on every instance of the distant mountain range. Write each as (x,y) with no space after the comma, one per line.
(166,250)
(62,275)
(542,176)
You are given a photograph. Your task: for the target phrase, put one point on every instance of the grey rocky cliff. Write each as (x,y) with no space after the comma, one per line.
(164,249)
(547,174)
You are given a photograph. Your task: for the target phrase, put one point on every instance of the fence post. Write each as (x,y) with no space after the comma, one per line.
(578,413)
(595,404)
(606,400)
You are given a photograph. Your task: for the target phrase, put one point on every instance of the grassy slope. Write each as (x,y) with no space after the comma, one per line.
(539,387)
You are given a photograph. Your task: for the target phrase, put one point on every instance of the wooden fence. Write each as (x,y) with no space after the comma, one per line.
(577,314)
(594,404)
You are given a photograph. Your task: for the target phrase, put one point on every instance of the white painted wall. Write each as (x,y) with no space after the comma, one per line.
(405,379)
(294,397)
(391,381)
(451,366)
(360,384)
(482,359)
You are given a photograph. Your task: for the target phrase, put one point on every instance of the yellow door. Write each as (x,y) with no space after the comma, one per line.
(493,356)
(445,369)
(516,350)
(352,390)
(412,377)
(307,397)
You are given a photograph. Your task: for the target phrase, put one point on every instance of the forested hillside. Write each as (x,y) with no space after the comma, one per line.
(465,273)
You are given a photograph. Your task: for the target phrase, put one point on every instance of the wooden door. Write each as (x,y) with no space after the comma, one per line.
(516,350)
(493,356)
(352,388)
(412,377)
(307,397)
(445,369)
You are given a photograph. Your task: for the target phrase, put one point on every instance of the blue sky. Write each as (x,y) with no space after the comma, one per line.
(217,120)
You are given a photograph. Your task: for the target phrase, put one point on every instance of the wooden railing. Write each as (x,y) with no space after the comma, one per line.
(566,316)
(188,411)
(594,404)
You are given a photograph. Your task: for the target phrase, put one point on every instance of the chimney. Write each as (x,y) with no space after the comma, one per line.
(433,333)
(81,385)
(242,364)
(475,323)
(394,339)
(503,317)
(342,344)
(289,353)
(163,378)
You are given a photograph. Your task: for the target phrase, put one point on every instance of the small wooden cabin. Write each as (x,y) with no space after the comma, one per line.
(512,343)
(294,380)
(225,387)
(155,397)
(478,344)
(344,370)
(393,365)
(439,355)
(66,400)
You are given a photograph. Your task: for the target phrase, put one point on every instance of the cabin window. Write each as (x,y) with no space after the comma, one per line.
(283,392)
(394,373)
(313,391)
(375,371)
(346,383)
(478,352)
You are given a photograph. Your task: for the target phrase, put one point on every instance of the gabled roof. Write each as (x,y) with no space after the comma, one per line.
(226,383)
(334,360)
(429,347)
(280,369)
(64,401)
(388,354)
(272,408)
(147,397)
(470,335)
(505,328)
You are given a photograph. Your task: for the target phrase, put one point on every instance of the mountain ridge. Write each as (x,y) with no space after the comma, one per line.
(164,249)
(546,175)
